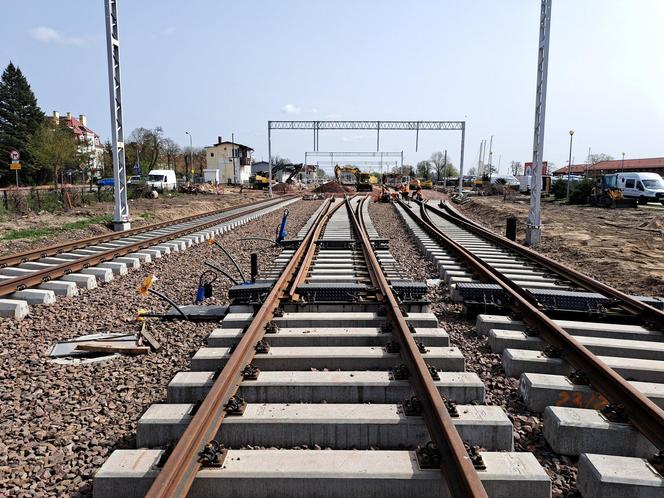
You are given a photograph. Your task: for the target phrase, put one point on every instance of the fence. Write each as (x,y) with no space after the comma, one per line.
(20,201)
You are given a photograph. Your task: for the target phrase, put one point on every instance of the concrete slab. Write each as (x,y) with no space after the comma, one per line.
(318,319)
(14,308)
(133,263)
(102,274)
(82,281)
(33,265)
(162,248)
(116,267)
(485,323)
(34,296)
(16,272)
(302,336)
(339,426)
(303,474)
(343,358)
(330,387)
(54,261)
(542,390)
(519,361)
(607,476)
(152,252)
(60,288)
(143,257)
(572,431)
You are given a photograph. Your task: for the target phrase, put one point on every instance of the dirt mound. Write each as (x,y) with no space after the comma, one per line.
(332,187)
(282,188)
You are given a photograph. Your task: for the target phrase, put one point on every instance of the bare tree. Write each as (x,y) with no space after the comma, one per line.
(471,172)
(516,167)
(171,151)
(598,158)
(148,143)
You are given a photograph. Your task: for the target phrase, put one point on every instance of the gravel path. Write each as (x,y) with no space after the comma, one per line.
(58,423)
(500,389)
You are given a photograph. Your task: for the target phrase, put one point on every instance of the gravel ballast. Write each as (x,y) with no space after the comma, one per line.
(500,390)
(60,422)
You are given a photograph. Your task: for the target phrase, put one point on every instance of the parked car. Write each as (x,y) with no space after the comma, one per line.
(645,187)
(106,182)
(163,180)
(134,180)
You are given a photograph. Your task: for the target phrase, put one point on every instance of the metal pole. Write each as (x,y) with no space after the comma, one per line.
(233,157)
(16,171)
(490,156)
(569,164)
(269,155)
(463,140)
(622,168)
(533,228)
(377,136)
(121,210)
(191,158)
(417,135)
(445,170)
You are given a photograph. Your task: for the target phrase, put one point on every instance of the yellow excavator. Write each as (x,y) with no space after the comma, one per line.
(260,182)
(353,177)
(606,193)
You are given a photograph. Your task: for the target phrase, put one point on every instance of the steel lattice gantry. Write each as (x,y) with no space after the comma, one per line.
(379,126)
(121,219)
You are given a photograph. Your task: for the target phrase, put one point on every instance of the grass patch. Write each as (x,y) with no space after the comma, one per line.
(38,233)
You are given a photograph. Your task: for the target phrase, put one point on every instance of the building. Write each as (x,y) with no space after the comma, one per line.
(652,165)
(260,167)
(231,160)
(88,142)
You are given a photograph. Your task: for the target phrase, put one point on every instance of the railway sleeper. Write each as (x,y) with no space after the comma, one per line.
(338,426)
(328,387)
(330,474)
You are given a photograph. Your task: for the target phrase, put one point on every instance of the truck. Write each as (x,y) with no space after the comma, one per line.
(162,180)
(644,187)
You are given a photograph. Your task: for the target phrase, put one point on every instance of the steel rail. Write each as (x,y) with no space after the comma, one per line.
(646,312)
(54,250)
(37,277)
(177,475)
(645,415)
(462,479)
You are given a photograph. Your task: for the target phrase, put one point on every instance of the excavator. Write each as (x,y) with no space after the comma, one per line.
(606,193)
(352,176)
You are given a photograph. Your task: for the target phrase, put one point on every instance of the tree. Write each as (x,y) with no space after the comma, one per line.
(20,116)
(149,144)
(52,147)
(424,169)
(171,150)
(597,158)
(516,168)
(471,172)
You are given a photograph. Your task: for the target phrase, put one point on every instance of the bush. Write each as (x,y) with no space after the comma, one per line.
(581,192)
(559,189)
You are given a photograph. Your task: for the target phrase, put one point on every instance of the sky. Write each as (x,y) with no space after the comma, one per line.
(216,68)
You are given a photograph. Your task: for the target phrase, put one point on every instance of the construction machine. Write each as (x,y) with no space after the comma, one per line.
(606,193)
(346,175)
(364,183)
(425,184)
(260,181)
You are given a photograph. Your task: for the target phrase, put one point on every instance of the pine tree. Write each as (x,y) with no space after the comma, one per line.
(20,116)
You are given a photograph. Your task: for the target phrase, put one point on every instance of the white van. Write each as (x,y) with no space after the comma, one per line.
(162,180)
(646,187)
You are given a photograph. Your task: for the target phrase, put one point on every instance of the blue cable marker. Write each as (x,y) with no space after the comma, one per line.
(281,233)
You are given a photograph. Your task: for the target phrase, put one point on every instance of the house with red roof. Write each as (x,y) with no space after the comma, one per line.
(650,165)
(87,140)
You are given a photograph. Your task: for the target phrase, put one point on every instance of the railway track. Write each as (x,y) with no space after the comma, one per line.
(589,357)
(38,276)
(328,377)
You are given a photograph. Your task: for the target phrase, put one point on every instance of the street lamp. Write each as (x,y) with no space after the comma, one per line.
(622,168)
(191,158)
(569,163)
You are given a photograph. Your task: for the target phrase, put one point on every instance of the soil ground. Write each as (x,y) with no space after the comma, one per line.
(623,248)
(142,211)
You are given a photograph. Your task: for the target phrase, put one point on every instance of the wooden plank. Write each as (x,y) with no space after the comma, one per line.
(149,338)
(112,347)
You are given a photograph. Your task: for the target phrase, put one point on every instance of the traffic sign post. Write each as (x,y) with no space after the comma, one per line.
(15,165)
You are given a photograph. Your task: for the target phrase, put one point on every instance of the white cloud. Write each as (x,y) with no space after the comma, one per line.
(291,109)
(314,110)
(333,115)
(168,31)
(44,34)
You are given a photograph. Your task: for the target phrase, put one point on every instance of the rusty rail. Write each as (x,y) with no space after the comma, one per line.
(460,474)
(177,475)
(37,277)
(646,416)
(628,303)
(54,250)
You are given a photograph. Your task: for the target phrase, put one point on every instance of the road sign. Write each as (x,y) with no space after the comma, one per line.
(137,169)
(14,155)
(15,166)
